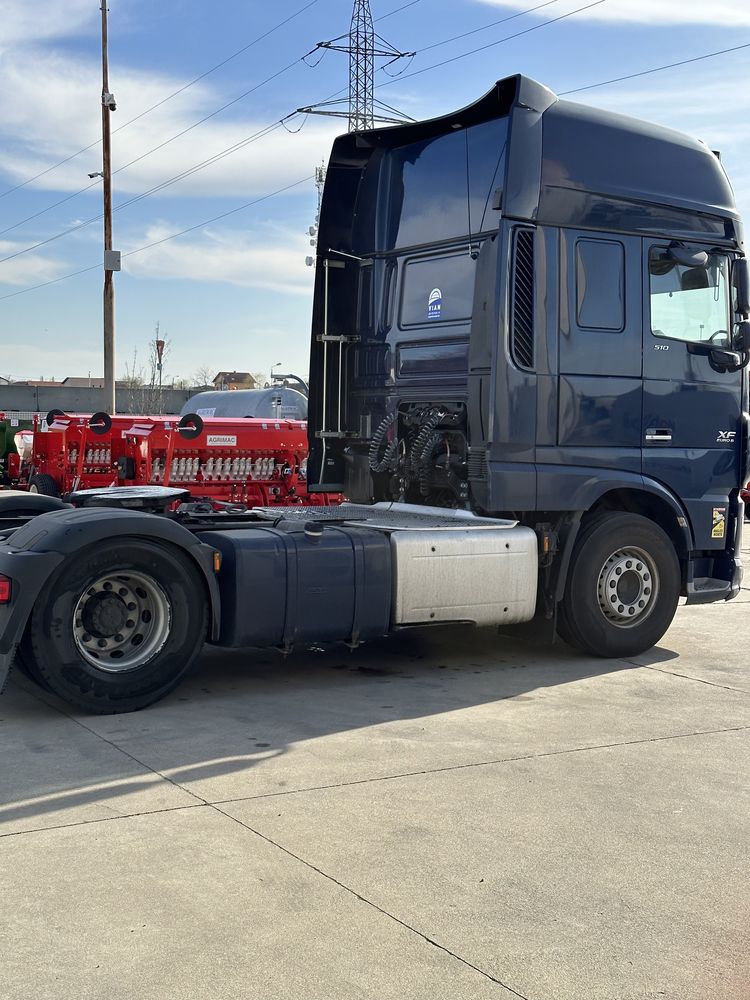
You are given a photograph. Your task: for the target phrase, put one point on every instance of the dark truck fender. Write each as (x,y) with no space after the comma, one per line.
(29,573)
(33,553)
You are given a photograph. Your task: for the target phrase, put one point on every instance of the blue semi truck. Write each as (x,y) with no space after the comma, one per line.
(528,375)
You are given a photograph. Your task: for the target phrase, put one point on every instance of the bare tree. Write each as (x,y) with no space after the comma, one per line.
(133,379)
(144,394)
(152,400)
(204,376)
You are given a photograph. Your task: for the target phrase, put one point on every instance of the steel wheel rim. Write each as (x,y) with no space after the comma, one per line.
(121,621)
(628,587)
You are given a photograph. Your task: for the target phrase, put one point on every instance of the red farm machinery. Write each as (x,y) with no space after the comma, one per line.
(250,461)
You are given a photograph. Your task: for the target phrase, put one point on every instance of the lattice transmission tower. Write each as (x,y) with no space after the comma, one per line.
(363,45)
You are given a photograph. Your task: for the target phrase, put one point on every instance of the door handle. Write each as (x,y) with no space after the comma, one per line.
(658,434)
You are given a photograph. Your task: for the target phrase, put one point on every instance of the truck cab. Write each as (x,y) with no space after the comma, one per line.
(532,308)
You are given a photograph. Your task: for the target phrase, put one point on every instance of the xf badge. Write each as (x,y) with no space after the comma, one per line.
(726,437)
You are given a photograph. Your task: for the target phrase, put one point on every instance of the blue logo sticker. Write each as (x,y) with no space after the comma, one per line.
(434,304)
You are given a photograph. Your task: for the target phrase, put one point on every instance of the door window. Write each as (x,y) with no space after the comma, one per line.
(690,303)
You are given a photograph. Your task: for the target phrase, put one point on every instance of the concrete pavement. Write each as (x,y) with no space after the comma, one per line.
(446,815)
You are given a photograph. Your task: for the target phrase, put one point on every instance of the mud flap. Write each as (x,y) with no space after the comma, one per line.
(6,662)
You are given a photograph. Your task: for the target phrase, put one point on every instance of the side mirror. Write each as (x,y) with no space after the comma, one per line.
(741,282)
(723,360)
(742,336)
(688,258)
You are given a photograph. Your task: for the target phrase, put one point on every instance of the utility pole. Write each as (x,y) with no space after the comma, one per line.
(111,258)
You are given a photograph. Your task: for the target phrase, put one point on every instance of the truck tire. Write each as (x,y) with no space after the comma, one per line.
(118,626)
(43,483)
(27,666)
(623,586)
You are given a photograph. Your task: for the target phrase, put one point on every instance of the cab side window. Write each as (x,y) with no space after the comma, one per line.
(689,302)
(600,285)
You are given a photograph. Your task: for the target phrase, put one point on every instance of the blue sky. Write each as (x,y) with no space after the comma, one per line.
(236,293)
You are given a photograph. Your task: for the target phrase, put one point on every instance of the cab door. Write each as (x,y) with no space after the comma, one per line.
(692,404)
(600,375)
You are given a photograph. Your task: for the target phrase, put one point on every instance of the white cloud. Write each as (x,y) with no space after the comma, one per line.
(273,258)
(719,13)
(37,133)
(28,269)
(24,21)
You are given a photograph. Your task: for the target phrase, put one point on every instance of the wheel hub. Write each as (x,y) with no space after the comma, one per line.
(628,586)
(121,621)
(104,615)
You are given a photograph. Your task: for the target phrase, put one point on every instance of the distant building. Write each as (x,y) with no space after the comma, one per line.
(71,382)
(235,380)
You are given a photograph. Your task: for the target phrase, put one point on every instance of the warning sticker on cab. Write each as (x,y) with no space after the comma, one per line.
(221,440)
(719,522)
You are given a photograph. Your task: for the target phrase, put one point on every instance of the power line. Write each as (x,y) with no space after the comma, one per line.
(164,100)
(363,45)
(43,211)
(482,48)
(234,148)
(474,31)
(52,281)
(212,114)
(656,69)
(161,145)
(603,83)
(397,10)
(156,148)
(492,24)
(165,239)
(266,130)
(218,218)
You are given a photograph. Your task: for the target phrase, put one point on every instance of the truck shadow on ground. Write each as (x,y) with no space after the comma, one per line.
(393,706)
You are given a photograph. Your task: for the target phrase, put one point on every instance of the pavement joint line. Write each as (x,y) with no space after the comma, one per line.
(205,803)
(405,774)
(215,808)
(369,902)
(126,753)
(688,677)
(103,819)
(477,763)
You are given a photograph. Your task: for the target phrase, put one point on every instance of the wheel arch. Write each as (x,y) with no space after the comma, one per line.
(660,508)
(72,531)
(649,499)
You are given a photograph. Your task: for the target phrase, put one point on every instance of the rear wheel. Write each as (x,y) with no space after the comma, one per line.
(119,627)
(623,586)
(43,483)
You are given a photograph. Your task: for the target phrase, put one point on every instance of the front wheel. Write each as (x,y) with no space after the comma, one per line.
(118,627)
(623,586)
